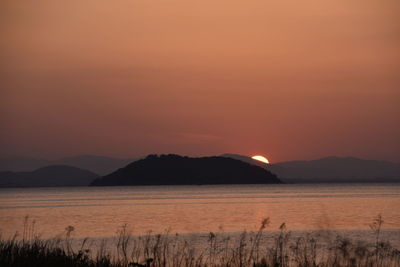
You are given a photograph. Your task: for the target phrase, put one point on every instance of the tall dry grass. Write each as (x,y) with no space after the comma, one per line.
(254,249)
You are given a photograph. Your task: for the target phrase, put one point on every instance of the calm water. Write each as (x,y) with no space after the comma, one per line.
(100,211)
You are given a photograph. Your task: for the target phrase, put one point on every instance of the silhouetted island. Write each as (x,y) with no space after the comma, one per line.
(179,170)
(56,175)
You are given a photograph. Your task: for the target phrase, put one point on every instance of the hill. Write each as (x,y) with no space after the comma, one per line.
(331,170)
(340,169)
(50,176)
(98,164)
(179,170)
(22,164)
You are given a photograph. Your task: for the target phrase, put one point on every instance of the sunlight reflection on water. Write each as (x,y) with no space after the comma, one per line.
(99,211)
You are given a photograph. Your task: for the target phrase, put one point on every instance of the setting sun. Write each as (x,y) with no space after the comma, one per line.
(190,98)
(261,158)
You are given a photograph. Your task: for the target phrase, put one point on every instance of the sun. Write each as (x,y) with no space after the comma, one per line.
(260,158)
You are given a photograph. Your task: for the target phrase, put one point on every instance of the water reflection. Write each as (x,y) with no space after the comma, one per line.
(99,211)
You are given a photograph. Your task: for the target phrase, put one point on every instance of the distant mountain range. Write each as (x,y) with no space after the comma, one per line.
(98,164)
(179,170)
(82,170)
(56,175)
(330,170)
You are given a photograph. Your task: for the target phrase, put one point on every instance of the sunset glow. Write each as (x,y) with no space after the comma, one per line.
(130,118)
(166,69)
(261,158)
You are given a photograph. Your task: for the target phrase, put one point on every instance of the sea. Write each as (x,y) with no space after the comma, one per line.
(100,212)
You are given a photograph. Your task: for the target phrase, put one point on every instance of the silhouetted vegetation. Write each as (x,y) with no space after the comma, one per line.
(178,170)
(256,249)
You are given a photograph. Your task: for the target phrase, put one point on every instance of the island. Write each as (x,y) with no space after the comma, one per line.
(181,170)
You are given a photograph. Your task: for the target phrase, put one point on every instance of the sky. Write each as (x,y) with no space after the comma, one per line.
(287,79)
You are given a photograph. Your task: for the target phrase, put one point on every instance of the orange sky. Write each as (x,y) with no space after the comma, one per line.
(287,79)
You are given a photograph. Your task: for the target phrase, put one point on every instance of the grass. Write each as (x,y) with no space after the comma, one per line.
(254,249)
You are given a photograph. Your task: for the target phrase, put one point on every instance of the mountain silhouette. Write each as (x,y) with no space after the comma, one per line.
(180,170)
(98,164)
(22,164)
(49,176)
(245,159)
(340,169)
(331,170)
